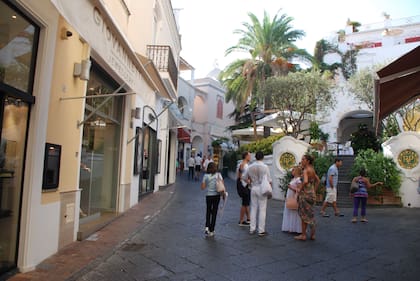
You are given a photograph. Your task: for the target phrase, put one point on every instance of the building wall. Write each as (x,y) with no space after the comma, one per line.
(49,221)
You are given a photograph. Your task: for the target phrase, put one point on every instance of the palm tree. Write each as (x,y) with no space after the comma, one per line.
(271,47)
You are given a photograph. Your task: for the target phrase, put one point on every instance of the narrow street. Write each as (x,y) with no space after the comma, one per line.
(172,246)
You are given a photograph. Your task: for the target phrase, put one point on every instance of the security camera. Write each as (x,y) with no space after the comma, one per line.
(65,33)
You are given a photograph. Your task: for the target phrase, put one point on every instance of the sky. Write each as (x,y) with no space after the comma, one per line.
(206,26)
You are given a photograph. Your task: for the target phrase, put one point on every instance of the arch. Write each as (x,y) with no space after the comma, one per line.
(197,144)
(219,112)
(182,104)
(350,122)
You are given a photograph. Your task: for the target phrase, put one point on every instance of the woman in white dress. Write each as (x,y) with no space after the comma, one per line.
(291,219)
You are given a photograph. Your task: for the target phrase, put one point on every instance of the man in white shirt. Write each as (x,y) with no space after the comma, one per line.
(198,160)
(191,165)
(255,174)
(206,163)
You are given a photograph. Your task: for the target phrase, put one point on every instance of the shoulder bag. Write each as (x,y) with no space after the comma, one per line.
(266,188)
(220,186)
(292,203)
(354,187)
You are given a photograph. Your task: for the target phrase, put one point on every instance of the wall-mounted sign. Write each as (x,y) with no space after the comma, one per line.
(408,159)
(287,160)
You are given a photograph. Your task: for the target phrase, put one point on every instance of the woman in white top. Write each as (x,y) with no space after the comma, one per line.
(291,219)
(212,197)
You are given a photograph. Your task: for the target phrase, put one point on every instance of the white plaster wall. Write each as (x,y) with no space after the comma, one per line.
(411,177)
(39,239)
(285,144)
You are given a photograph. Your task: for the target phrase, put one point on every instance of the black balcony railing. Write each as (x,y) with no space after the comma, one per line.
(162,57)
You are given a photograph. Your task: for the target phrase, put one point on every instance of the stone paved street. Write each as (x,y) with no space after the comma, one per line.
(173,246)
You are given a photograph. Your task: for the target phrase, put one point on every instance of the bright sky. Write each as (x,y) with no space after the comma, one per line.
(207,26)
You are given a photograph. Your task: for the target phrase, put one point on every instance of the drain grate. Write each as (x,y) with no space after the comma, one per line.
(132,247)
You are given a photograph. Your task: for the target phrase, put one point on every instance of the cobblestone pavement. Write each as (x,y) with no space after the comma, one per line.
(173,246)
(162,238)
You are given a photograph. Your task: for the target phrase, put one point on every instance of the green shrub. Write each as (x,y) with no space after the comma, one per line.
(378,168)
(364,139)
(265,145)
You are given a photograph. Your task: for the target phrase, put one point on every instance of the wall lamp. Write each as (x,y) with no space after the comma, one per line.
(65,33)
(82,70)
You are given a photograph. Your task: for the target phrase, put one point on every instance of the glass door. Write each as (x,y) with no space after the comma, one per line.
(14,120)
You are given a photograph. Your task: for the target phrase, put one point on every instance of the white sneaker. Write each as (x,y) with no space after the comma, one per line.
(211,234)
(206,230)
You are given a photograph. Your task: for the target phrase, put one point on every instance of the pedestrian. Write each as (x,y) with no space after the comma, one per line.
(198,163)
(361,195)
(306,197)
(206,161)
(331,188)
(256,174)
(291,219)
(191,165)
(212,197)
(243,190)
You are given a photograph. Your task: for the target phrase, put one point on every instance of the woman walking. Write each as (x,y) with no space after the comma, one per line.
(361,195)
(306,198)
(291,220)
(212,197)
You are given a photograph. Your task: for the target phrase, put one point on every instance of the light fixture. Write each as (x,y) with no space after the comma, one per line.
(135,113)
(82,70)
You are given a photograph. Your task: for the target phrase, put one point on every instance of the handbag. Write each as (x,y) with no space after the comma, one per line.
(292,203)
(354,187)
(220,186)
(266,189)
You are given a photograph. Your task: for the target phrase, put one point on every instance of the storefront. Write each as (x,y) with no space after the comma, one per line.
(100,151)
(18,47)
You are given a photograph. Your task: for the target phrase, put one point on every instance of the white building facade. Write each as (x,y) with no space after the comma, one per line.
(377,44)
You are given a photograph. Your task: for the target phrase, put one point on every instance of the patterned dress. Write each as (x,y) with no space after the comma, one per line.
(306,201)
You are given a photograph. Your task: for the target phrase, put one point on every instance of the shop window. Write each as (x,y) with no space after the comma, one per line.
(18,42)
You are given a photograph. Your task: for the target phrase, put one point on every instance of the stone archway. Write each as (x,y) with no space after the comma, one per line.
(350,122)
(197,145)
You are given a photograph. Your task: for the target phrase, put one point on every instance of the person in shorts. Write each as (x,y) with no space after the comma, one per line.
(243,191)
(331,188)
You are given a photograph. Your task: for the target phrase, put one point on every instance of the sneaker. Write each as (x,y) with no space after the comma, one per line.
(262,234)
(244,223)
(325,215)
(354,220)
(206,230)
(211,234)
(364,220)
(251,232)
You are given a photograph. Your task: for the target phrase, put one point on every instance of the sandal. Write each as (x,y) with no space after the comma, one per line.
(364,220)
(300,237)
(353,220)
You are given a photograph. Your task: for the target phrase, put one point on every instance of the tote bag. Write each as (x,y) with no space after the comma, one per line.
(266,188)
(292,203)
(220,186)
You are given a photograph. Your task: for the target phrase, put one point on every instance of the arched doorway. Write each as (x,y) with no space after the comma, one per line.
(197,145)
(350,124)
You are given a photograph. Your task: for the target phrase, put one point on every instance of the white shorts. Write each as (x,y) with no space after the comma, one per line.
(331,196)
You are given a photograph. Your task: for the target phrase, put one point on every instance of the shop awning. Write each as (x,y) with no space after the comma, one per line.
(183,124)
(398,84)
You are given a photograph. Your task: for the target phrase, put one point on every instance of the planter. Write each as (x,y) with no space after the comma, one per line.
(386,198)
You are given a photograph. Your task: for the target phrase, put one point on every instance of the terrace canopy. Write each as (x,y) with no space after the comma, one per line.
(398,84)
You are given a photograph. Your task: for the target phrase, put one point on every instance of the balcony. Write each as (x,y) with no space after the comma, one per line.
(163,59)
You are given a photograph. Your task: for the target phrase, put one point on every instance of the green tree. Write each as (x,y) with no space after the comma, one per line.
(361,85)
(270,46)
(298,96)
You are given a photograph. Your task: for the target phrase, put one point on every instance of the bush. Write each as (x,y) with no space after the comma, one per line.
(364,139)
(264,145)
(378,168)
